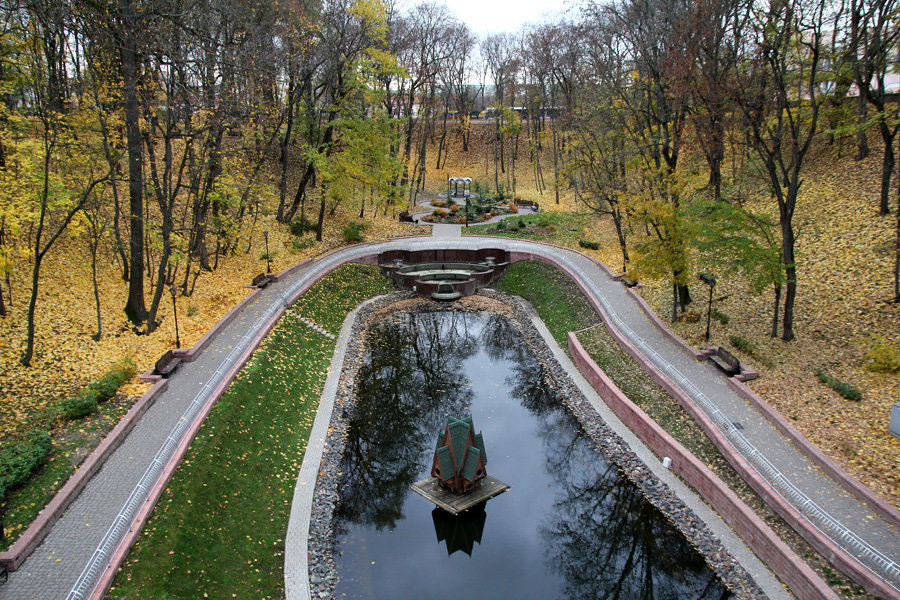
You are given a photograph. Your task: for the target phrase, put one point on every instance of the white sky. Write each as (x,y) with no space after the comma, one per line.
(495,16)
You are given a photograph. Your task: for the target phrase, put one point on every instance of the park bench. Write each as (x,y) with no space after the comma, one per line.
(529,203)
(263,279)
(405,217)
(627,281)
(167,364)
(725,360)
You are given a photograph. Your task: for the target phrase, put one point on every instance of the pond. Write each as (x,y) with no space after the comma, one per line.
(570,527)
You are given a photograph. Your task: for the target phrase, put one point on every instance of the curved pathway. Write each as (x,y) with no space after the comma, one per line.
(76,553)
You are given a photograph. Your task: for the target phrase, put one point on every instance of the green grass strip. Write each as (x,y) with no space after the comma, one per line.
(218,530)
(562,306)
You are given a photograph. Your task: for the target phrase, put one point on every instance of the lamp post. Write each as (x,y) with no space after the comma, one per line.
(709,280)
(266,235)
(174,290)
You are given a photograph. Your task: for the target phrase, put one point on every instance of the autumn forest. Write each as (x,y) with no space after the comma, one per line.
(156,155)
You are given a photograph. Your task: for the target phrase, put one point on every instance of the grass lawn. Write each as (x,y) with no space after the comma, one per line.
(560,303)
(563,308)
(563,228)
(218,531)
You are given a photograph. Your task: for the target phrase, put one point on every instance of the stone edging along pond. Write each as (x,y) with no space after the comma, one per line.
(322,572)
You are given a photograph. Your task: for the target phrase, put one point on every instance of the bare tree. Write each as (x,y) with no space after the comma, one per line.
(874,35)
(780,98)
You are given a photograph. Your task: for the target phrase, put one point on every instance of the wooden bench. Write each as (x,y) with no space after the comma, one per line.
(263,279)
(167,364)
(725,360)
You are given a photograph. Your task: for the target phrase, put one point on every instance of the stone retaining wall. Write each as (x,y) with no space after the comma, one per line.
(801,579)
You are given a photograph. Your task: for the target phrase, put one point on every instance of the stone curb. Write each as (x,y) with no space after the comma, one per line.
(801,579)
(37,531)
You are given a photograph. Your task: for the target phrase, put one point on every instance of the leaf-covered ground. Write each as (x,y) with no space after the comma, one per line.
(67,358)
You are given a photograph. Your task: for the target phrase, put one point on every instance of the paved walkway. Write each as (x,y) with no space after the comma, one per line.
(74,554)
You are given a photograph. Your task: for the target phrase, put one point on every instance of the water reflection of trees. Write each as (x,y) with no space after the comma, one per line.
(604,538)
(411,380)
(601,536)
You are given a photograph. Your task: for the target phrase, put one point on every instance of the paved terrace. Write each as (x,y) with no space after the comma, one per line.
(75,555)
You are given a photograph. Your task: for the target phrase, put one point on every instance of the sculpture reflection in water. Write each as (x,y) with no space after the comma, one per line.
(571,527)
(460,532)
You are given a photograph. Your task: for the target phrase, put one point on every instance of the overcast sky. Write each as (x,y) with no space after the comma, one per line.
(495,16)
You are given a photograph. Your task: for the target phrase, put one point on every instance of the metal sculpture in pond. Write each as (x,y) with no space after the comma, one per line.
(459,458)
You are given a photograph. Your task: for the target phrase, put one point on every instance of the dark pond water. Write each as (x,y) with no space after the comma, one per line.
(570,527)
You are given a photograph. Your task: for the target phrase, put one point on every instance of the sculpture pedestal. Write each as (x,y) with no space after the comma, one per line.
(453,504)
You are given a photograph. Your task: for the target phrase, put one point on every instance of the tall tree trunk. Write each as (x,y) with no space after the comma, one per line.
(285,144)
(620,233)
(790,270)
(897,257)
(93,246)
(862,139)
(135,307)
(321,222)
(887,165)
(774,332)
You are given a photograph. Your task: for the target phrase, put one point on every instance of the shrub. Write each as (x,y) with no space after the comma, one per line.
(513,208)
(743,345)
(301,226)
(589,244)
(501,226)
(522,224)
(18,461)
(461,220)
(884,357)
(440,212)
(84,403)
(518,197)
(720,317)
(843,388)
(298,243)
(353,232)
(107,386)
(437,203)
(453,207)
(192,310)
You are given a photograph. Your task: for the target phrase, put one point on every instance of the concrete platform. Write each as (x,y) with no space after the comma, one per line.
(453,504)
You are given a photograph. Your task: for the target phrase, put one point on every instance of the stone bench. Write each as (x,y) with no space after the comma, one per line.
(729,363)
(405,217)
(167,364)
(263,279)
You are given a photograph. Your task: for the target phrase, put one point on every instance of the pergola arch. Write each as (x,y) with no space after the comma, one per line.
(453,184)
